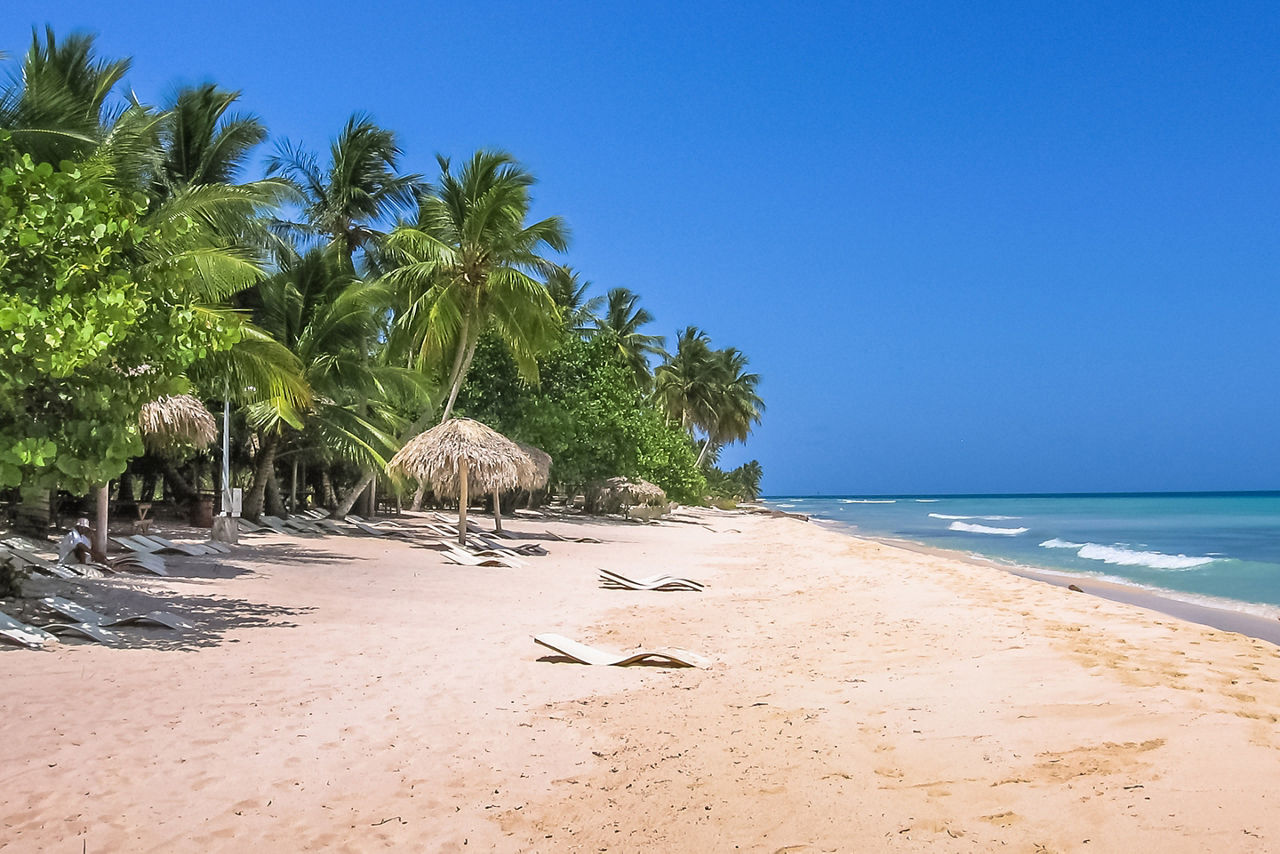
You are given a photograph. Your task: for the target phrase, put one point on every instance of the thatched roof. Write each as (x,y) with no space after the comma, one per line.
(493,460)
(609,496)
(177,420)
(537,472)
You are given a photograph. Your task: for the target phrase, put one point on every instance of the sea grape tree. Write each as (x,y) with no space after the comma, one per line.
(89,331)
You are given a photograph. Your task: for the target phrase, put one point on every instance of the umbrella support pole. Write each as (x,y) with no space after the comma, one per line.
(462,502)
(497,513)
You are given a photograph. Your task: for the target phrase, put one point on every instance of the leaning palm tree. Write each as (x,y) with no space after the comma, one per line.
(471,261)
(735,405)
(621,322)
(326,316)
(360,188)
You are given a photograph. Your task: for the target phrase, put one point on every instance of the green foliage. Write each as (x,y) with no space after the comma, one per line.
(586,413)
(740,484)
(88,333)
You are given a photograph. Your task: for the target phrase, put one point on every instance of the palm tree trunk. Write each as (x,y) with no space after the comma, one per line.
(183,492)
(275,501)
(345,505)
(328,496)
(419,494)
(706,446)
(497,513)
(263,468)
(461,364)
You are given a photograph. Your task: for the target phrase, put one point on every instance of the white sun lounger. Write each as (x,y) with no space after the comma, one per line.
(455,555)
(20,633)
(87,630)
(81,614)
(618,581)
(141,562)
(584,654)
(42,566)
(399,533)
(247,527)
(555,536)
(164,545)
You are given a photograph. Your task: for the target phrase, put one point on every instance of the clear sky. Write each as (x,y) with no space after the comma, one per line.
(1019,247)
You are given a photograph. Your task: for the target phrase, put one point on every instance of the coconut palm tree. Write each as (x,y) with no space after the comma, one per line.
(326,316)
(360,188)
(471,264)
(735,406)
(683,383)
(56,108)
(621,322)
(579,312)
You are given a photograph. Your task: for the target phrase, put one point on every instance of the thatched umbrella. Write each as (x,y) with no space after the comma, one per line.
(537,473)
(610,495)
(456,455)
(177,419)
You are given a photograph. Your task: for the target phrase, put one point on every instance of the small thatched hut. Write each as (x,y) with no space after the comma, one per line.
(610,496)
(458,457)
(537,473)
(175,420)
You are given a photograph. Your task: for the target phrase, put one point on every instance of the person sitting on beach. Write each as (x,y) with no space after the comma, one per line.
(75,547)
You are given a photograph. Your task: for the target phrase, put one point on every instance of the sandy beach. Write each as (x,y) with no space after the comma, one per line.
(349,694)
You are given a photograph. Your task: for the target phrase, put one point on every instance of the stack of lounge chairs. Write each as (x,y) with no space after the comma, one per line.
(83,622)
(666,583)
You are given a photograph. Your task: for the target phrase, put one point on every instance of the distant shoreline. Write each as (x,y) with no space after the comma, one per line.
(1223,617)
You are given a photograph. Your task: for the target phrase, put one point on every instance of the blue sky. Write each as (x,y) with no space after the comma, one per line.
(1028,247)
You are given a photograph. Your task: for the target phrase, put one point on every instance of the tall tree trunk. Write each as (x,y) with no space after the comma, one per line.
(275,501)
(263,468)
(329,497)
(458,371)
(345,505)
(418,495)
(706,446)
(183,492)
(99,550)
(461,373)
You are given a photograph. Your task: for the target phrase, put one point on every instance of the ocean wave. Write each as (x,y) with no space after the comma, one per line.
(868,501)
(986,529)
(1120,556)
(1056,543)
(983,518)
(926,500)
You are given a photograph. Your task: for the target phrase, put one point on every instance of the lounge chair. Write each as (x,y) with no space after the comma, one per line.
(165,545)
(654,582)
(584,654)
(33,561)
(316,513)
(16,631)
(42,566)
(554,536)
(86,630)
(247,527)
(140,562)
(135,544)
(333,527)
(398,533)
(278,525)
(525,549)
(391,523)
(458,556)
(81,614)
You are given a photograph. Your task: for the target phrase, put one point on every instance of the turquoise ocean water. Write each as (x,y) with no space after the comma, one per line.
(1202,546)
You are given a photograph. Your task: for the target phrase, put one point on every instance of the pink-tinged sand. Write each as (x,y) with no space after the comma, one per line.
(346,694)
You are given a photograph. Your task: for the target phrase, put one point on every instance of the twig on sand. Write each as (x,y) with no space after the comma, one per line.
(385,820)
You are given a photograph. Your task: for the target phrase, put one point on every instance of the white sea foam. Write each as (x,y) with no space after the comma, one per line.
(986,529)
(983,518)
(869,500)
(1120,556)
(784,505)
(926,501)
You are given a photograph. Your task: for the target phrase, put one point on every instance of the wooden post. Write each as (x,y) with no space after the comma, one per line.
(497,513)
(100,531)
(462,502)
